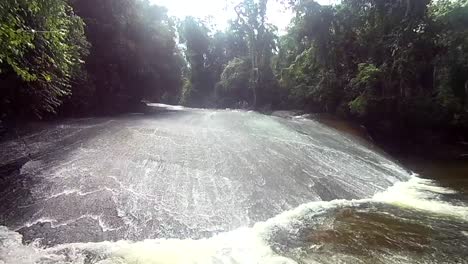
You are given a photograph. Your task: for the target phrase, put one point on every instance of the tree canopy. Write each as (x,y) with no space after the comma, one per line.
(82,56)
(402,63)
(42,47)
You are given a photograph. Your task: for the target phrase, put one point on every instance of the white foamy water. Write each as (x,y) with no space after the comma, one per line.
(205,186)
(182,173)
(243,245)
(422,194)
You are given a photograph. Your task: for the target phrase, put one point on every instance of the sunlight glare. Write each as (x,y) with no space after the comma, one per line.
(220,11)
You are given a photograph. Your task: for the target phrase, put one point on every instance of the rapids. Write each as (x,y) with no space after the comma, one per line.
(217,186)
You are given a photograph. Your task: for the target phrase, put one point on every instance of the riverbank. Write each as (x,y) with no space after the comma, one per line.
(445,163)
(435,145)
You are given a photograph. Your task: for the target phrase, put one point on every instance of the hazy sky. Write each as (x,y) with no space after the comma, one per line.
(222,10)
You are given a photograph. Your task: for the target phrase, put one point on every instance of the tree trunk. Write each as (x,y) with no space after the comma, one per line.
(253,75)
(252,50)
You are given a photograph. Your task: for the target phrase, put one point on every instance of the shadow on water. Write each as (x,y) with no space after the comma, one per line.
(451,174)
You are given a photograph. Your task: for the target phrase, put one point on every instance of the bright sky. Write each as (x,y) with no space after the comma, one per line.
(222,10)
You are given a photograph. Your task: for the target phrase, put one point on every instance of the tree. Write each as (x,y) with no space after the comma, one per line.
(42,47)
(194,34)
(261,39)
(233,89)
(133,54)
(451,62)
(401,62)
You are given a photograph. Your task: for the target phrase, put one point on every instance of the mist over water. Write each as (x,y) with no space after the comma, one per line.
(206,186)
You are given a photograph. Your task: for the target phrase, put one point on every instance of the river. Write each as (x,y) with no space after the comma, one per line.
(185,185)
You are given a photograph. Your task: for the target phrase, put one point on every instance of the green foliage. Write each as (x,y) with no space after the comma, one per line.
(42,46)
(451,82)
(308,84)
(401,61)
(209,52)
(367,77)
(133,54)
(261,41)
(194,35)
(16,37)
(359,105)
(365,85)
(233,89)
(378,58)
(248,39)
(43,49)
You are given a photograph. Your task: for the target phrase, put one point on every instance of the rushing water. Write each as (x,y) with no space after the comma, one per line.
(205,186)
